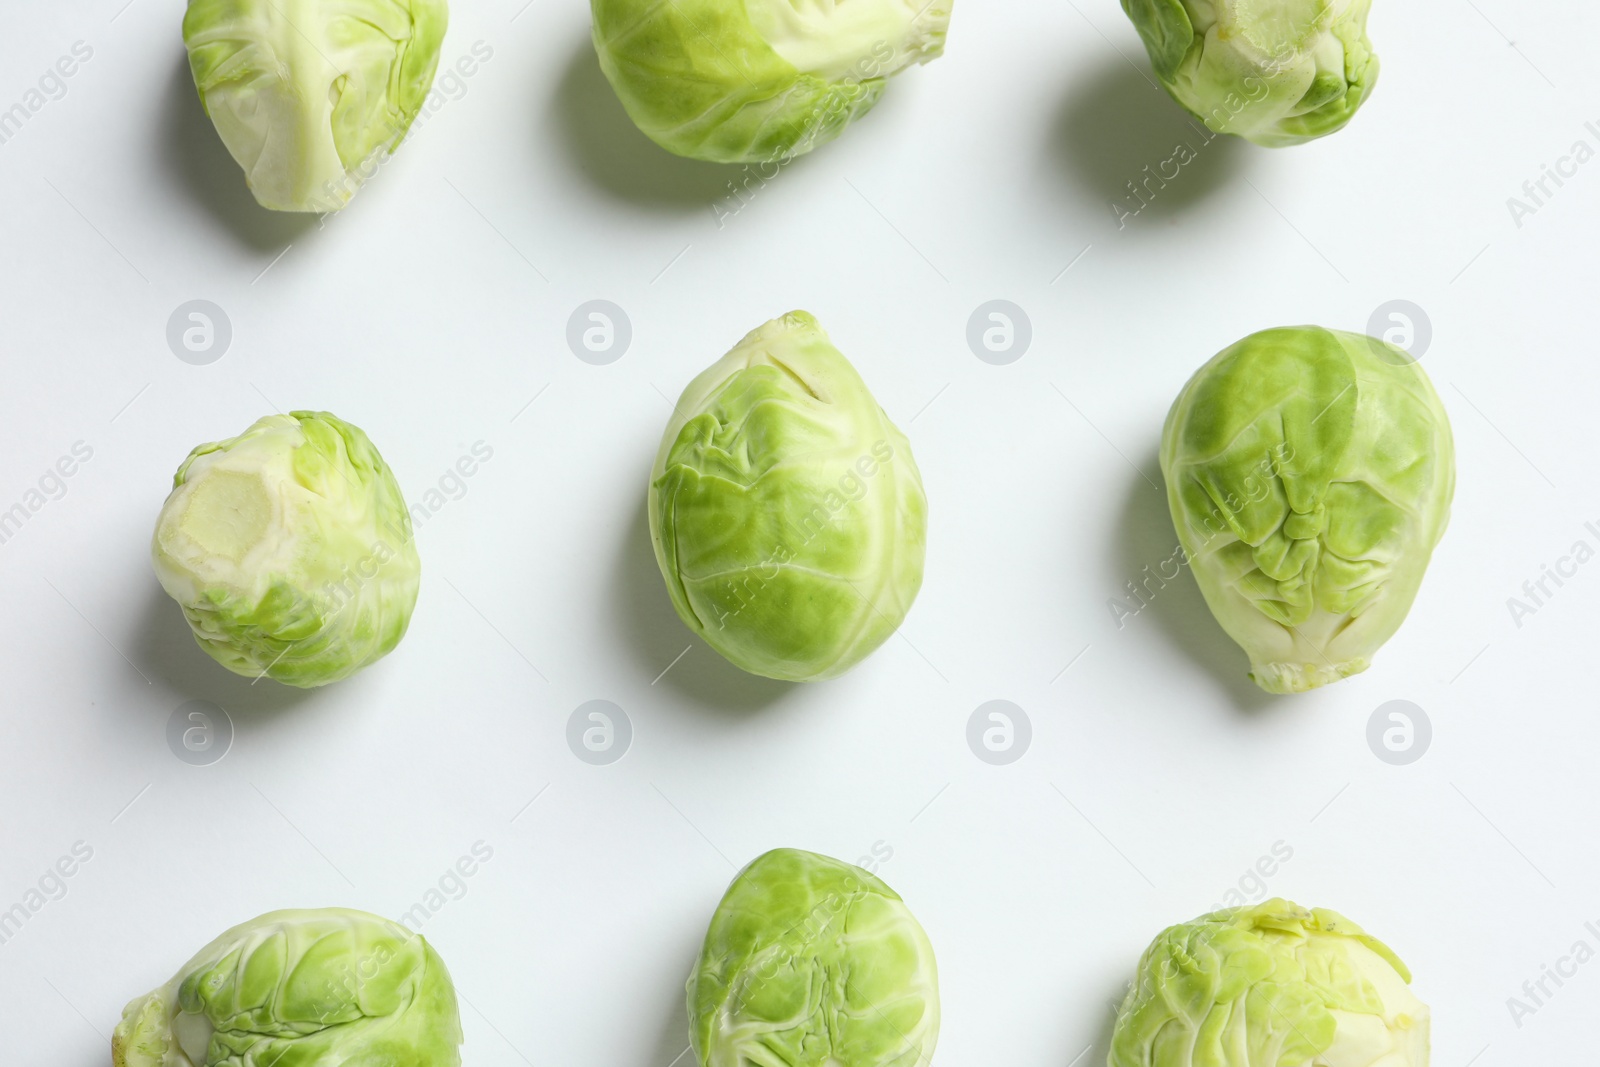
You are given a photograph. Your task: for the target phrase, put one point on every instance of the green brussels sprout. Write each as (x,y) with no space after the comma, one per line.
(1310,474)
(758,81)
(329,986)
(786,511)
(310,95)
(1271,985)
(1275,72)
(289,548)
(810,962)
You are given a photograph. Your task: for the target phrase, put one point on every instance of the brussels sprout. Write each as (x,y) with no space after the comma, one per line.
(289,548)
(786,510)
(1310,474)
(1269,986)
(330,986)
(810,962)
(309,95)
(1276,72)
(758,81)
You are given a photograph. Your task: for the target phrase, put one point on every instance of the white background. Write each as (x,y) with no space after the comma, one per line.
(1157,775)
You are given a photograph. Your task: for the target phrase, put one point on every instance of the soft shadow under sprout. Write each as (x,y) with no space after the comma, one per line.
(200,164)
(1108,1026)
(672,1044)
(658,637)
(1176,605)
(165,647)
(1131,148)
(605,144)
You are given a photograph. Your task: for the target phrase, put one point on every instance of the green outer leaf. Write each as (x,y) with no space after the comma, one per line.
(1310,474)
(697,78)
(1278,73)
(338,593)
(302,989)
(305,93)
(1267,986)
(786,511)
(1166,30)
(810,962)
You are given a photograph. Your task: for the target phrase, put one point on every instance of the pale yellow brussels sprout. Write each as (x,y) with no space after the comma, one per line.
(1272,985)
(1275,72)
(308,94)
(290,550)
